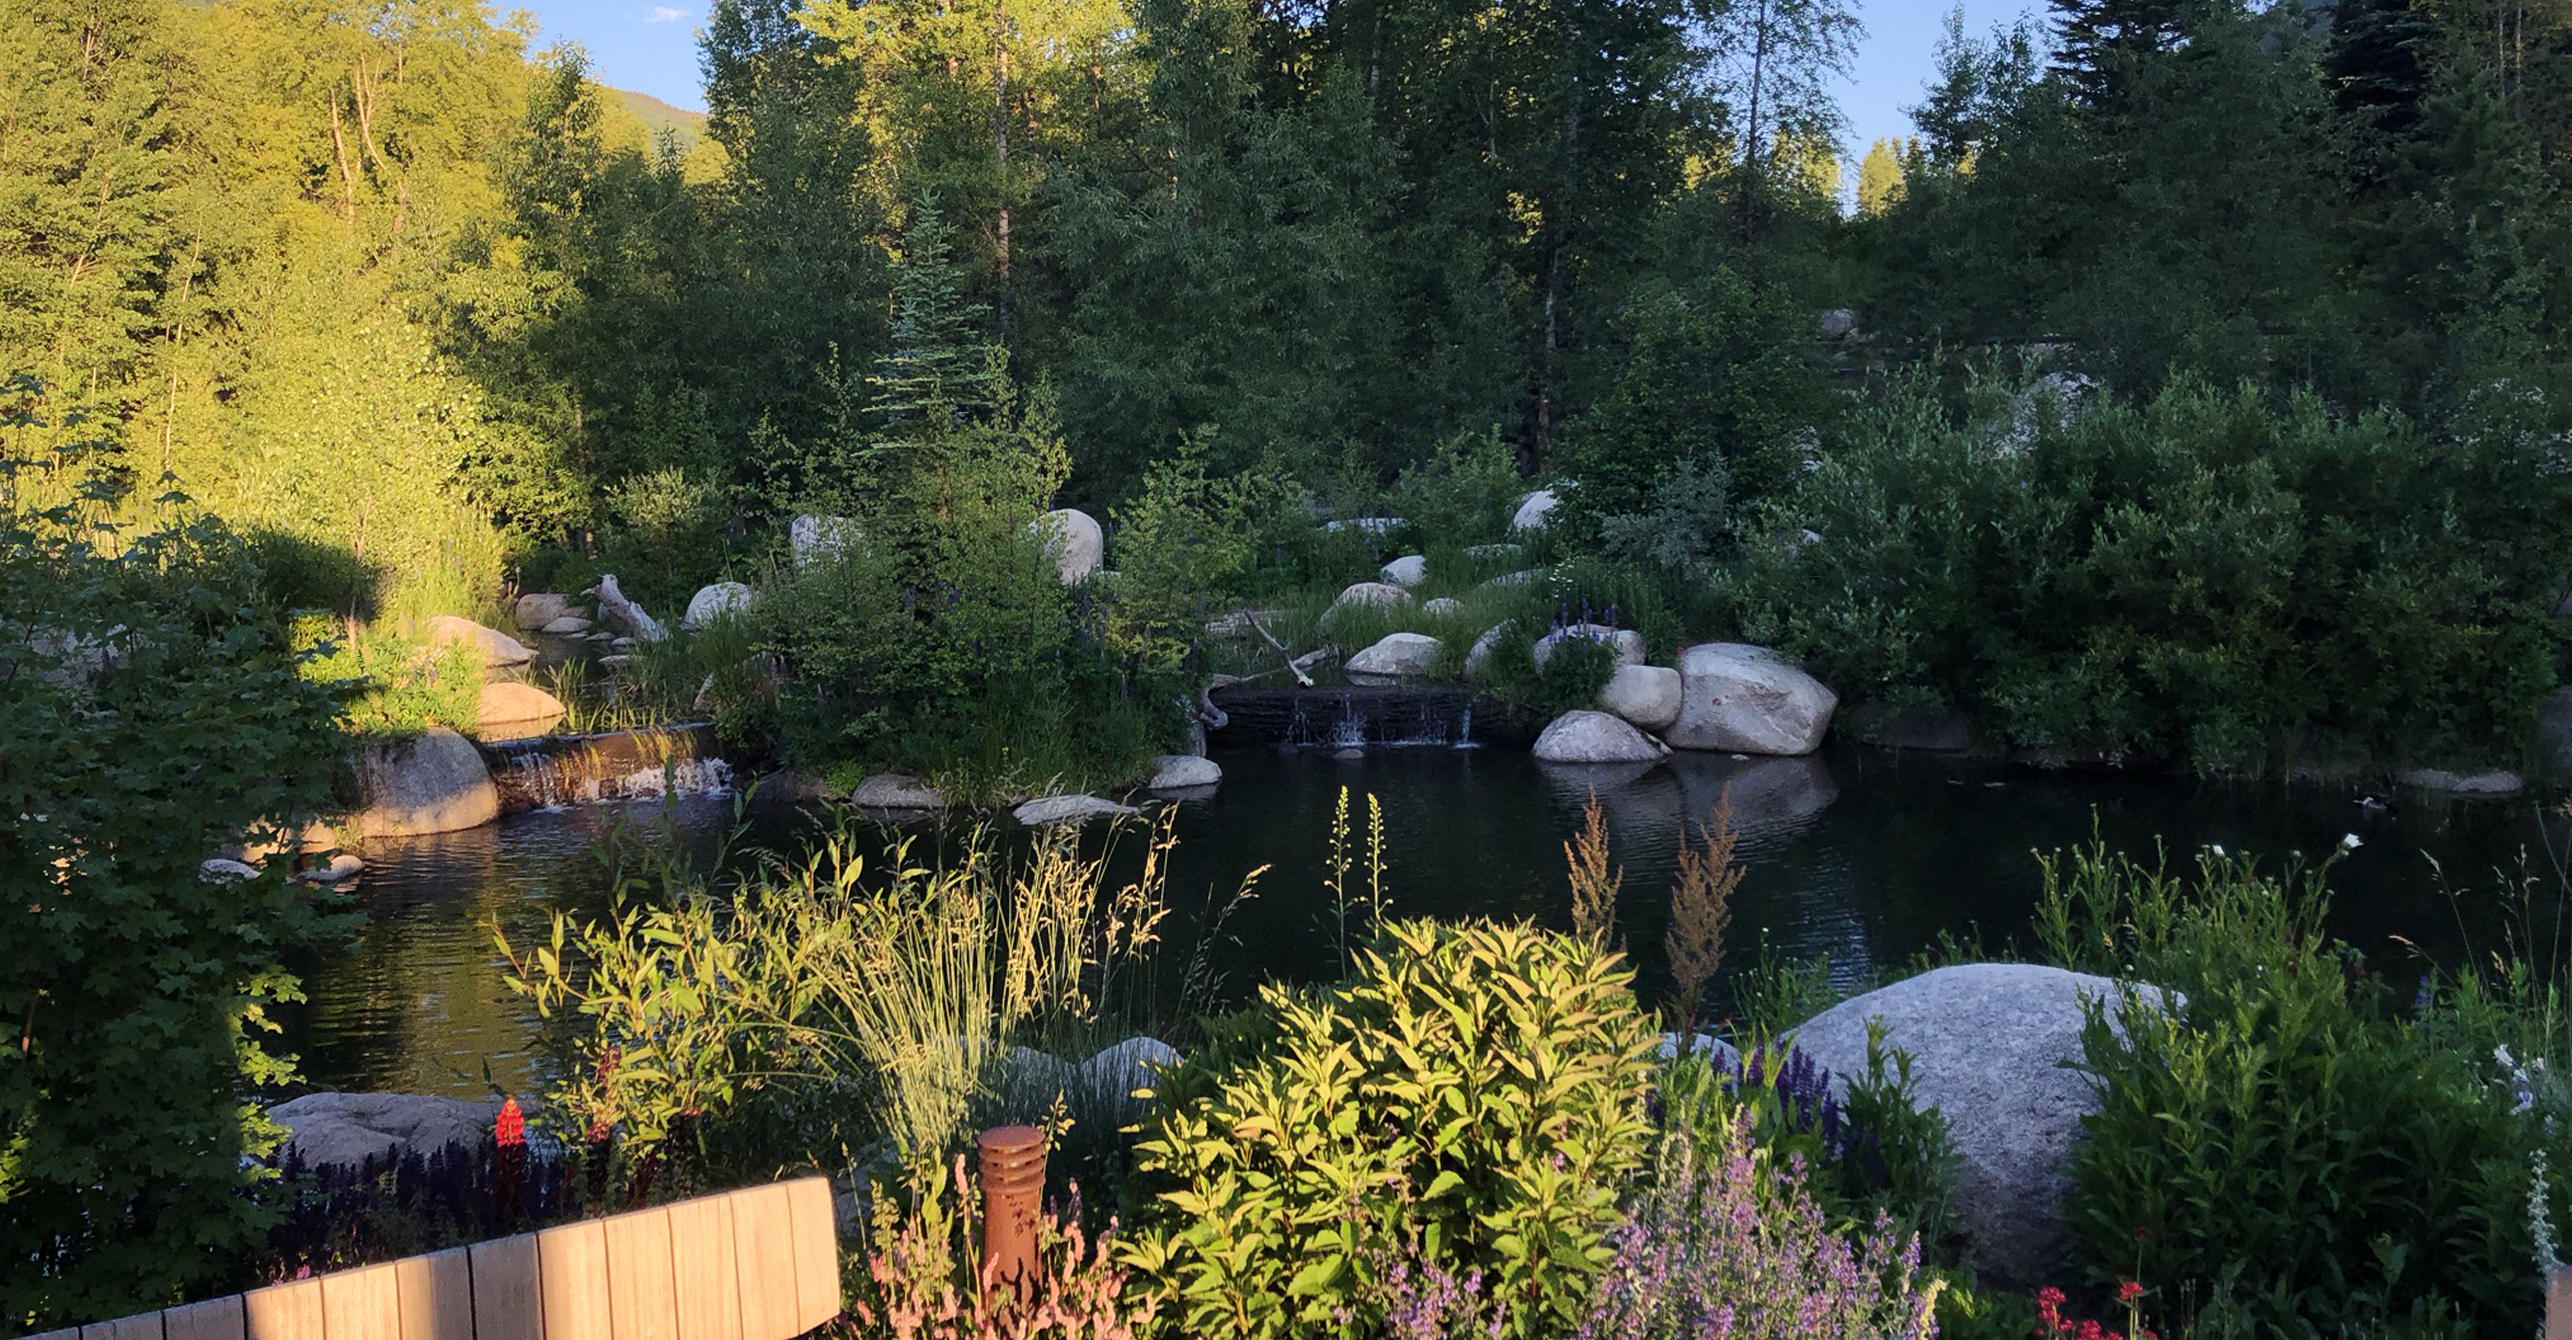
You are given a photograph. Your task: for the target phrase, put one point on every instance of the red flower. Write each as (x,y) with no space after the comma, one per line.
(2090,1330)
(2128,1291)
(509,1129)
(2049,1309)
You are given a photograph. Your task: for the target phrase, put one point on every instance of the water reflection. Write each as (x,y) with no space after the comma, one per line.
(1860,858)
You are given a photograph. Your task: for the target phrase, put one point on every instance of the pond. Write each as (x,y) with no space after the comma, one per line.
(1856,857)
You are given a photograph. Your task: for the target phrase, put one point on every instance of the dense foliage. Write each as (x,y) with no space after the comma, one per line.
(1471,1099)
(2282,1144)
(2205,575)
(150,712)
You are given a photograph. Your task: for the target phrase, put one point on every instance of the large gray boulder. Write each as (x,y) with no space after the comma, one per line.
(1074,540)
(1406,572)
(1068,810)
(714,602)
(1645,695)
(350,1128)
(1991,1046)
(1742,699)
(1478,656)
(1624,643)
(1595,737)
(536,609)
(1116,1075)
(1395,656)
(509,710)
(896,791)
(1534,510)
(498,649)
(2493,785)
(1184,772)
(810,537)
(1382,595)
(437,783)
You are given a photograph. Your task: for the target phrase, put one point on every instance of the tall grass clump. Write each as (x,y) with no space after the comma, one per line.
(831,1003)
(1701,895)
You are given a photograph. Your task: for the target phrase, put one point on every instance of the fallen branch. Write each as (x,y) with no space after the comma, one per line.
(1292,667)
(616,609)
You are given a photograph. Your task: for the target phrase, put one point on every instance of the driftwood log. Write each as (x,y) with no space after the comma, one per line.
(616,609)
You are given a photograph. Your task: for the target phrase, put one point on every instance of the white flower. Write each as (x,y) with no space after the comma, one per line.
(2350,842)
(2219,849)
(2501,1054)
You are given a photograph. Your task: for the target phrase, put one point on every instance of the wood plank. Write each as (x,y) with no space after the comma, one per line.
(362,1304)
(140,1326)
(702,1269)
(436,1295)
(283,1312)
(763,1249)
(817,1280)
(213,1319)
(572,1276)
(642,1298)
(506,1303)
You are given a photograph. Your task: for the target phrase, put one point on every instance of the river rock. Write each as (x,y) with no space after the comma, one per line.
(2493,785)
(509,710)
(1493,553)
(1478,656)
(1923,729)
(1395,656)
(1742,699)
(1184,772)
(1989,1043)
(347,1129)
(896,791)
(1382,595)
(1726,1056)
(1595,737)
(1838,323)
(1368,525)
(1028,1082)
(1645,695)
(1114,1074)
(1075,541)
(536,609)
(437,783)
(570,625)
(1067,810)
(810,537)
(341,869)
(224,870)
(1406,572)
(1506,581)
(713,602)
(1442,605)
(499,650)
(1533,510)
(1624,643)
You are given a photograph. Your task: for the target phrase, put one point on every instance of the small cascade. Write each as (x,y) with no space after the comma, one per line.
(1351,718)
(562,770)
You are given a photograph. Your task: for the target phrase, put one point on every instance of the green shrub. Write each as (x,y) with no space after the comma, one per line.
(1470,1100)
(1464,493)
(2207,576)
(396,687)
(2282,1140)
(151,709)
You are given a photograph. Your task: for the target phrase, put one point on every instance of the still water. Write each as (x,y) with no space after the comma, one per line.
(1858,858)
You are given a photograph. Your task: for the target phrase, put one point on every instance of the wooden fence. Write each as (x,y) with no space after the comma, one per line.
(759,1264)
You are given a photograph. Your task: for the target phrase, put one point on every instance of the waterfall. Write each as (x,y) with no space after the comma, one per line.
(562,770)
(1352,718)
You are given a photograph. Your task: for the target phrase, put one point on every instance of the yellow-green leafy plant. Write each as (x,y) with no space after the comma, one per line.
(1469,1102)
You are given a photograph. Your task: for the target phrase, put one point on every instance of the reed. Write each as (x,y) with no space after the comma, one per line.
(1595,880)
(1700,910)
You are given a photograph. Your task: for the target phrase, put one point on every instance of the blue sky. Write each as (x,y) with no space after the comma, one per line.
(650,45)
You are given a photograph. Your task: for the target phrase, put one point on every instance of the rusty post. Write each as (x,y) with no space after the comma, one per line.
(1013,1188)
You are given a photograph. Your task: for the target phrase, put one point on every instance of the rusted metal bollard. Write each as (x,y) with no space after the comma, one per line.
(1013,1187)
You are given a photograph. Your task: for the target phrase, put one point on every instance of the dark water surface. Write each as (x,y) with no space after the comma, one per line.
(1860,858)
